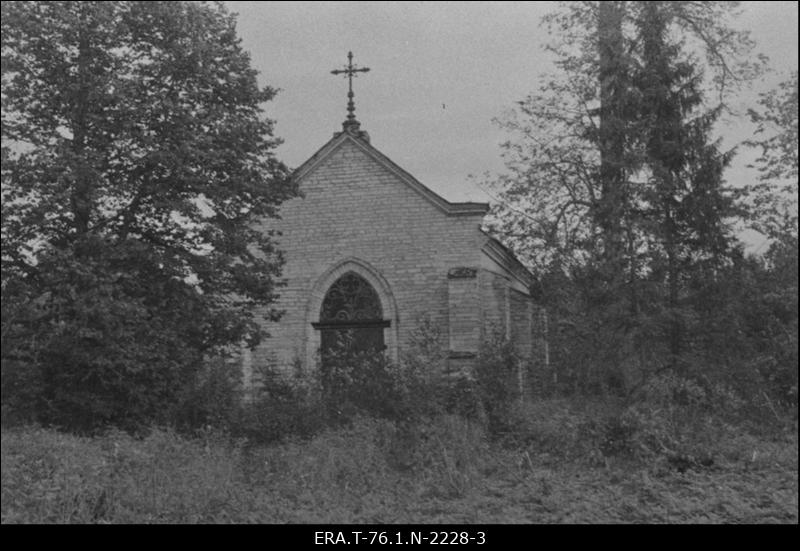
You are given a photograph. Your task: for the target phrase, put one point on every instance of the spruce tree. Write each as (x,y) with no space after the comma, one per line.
(614,180)
(686,209)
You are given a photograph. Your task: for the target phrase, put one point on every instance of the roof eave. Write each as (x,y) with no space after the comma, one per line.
(508,260)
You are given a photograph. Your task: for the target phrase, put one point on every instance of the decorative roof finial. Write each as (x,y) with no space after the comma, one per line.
(350,70)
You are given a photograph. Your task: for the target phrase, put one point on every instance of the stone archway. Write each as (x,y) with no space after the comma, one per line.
(351,295)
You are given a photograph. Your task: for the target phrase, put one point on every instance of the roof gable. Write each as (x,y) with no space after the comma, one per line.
(491,247)
(362,143)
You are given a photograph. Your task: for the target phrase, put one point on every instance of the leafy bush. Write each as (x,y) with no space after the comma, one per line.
(281,408)
(552,431)
(429,387)
(104,344)
(496,379)
(677,419)
(423,372)
(354,383)
(211,398)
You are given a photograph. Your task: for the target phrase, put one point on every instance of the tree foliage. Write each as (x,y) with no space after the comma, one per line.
(776,116)
(614,189)
(136,158)
(772,303)
(774,196)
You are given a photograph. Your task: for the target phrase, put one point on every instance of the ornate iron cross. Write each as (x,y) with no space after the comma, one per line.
(350,71)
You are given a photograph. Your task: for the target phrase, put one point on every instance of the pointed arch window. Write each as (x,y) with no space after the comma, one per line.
(351,315)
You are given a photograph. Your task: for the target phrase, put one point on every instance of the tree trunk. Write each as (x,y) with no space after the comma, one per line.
(613,79)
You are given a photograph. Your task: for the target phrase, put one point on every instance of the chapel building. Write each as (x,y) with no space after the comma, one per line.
(371,251)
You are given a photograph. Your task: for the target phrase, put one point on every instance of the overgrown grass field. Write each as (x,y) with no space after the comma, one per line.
(561,463)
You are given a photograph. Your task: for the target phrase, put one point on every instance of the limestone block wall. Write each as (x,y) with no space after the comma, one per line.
(494,305)
(509,313)
(357,214)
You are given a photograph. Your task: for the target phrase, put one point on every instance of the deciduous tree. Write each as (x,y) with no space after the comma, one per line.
(136,157)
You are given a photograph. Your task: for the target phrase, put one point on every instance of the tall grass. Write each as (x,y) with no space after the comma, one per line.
(364,471)
(561,462)
(436,449)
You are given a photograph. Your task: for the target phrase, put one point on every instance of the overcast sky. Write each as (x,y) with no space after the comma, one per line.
(440,72)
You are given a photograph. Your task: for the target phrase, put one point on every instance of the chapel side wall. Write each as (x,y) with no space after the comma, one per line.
(510,313)
(355,208)
(494,289)
(521,329)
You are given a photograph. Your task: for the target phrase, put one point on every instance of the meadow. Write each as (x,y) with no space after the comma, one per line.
(564,462)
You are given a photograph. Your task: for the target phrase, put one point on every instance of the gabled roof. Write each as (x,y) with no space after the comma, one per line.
(493,248)
(361,141)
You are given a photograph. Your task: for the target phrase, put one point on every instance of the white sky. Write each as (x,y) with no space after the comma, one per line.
(440,71)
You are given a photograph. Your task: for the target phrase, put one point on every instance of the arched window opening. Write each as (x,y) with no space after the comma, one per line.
(351,318)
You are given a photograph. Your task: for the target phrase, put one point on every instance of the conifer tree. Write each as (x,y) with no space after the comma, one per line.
(613,177)
(685,207)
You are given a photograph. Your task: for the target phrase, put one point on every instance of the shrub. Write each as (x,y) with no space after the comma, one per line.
(496,380)
(22,386)
(422,372)
(353,383)
(676,418)
(211,398)
(281,408)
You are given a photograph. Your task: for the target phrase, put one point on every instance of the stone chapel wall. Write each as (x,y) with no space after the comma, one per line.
(354,208)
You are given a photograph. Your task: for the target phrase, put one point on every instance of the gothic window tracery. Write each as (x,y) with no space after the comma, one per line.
(351,299)
(351,317)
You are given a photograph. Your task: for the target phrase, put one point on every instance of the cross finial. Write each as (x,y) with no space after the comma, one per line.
(350,71)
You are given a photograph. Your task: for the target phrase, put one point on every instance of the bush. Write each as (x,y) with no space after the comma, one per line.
(556,430)
(22,386)
(211,398)
(677,419)
(94,343)
(281,408)
(497,384)
(356,383)
(422,372)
